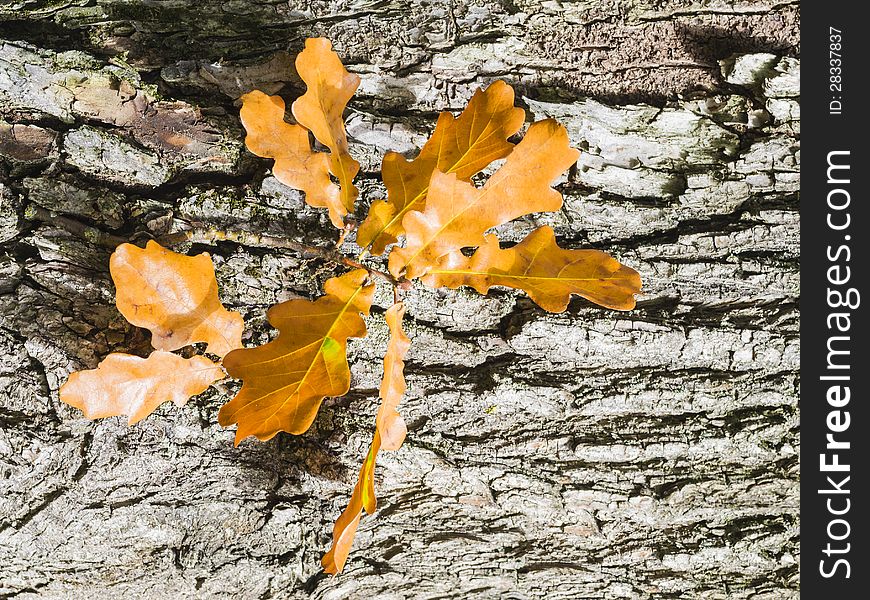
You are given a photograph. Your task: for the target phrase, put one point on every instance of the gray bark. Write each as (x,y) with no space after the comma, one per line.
(591,454)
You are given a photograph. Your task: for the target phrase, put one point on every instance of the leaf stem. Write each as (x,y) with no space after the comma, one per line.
(77,228)
(210,235)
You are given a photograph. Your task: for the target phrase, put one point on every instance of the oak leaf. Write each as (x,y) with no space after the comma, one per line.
(390,432)
(547,273)
(296,164)
(363,497)
(457,214)
(432,202)
(175,297)
(285,380)
(464,145)
(390,424)
(320,109)
(128,385)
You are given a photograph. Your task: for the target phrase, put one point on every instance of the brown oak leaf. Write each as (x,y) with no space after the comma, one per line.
(389,434)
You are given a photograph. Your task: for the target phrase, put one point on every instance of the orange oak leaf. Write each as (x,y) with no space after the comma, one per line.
(345,527)
(285,381)
(123,384)
(296,164)
(547,273)
(320,109)
(463,145)
(175,297)
(457,214)
(390,424)
(389,435)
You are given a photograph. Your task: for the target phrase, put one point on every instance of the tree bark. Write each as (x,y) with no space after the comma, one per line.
(590,454)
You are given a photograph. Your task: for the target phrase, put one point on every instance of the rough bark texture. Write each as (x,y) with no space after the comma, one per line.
(591,454)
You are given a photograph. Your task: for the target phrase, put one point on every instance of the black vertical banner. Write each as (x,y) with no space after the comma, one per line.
(835,300)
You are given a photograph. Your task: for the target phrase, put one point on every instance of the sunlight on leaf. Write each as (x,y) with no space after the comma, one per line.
(296,164)
(321,109)
(457,214)
(175,297)
(547,273)
(464,145)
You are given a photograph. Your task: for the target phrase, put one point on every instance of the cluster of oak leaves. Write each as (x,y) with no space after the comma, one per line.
(431,202)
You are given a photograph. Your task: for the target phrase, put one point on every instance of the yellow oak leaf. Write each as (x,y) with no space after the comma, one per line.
(285,380)
(547,273)
(457,214)
(175,297)
(464,145)
(296,164)
(128,385)
(320,110)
